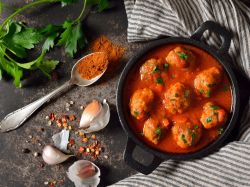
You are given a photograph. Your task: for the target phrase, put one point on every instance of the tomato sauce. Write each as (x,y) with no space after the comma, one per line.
(221,95)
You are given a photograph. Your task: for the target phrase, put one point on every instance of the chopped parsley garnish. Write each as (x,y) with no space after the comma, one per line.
(209,92)
(209,119)
(193,135)
(220,131)
(186,93)
(165,66)
(182,55)
(183,138)
(156,69)
(136,113)
(196,126)
(176,95)
(158,131)
(211,85)
(159,80)
(214,107)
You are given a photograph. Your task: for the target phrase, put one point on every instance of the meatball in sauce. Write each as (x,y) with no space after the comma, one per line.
(153,129)
(180,57)
(213,115)
(206,81)
(186,133)
(141,102)
(177,98)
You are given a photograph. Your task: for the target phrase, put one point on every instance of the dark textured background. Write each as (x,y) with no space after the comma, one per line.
(18,169)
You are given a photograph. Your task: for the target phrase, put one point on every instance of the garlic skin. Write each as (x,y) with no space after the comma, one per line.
(53,156)
(95,116)
(84,174)
(61,140)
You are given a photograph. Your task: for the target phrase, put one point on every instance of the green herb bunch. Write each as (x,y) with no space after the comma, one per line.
(17,39)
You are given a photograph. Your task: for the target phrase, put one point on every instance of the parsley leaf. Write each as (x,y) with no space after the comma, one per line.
(159,80)
(48,66)
(214,107)
(72,37)
(158,131)
(182,55)
(156,69)
(100,4)
(11,69)
(209,119)
(51,32)
(183,138)
(166,66)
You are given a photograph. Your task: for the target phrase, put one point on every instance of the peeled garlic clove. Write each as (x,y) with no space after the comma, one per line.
(100,121)
(89,113)
(53,156)
(84,174)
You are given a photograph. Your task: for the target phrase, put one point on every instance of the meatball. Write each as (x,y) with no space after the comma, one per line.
(180,57)
(153,129)
(213,115)
(140,102)
(177,98)
(151,70)
(186,133)
(206,81)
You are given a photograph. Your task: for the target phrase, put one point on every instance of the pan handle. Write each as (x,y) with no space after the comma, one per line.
(216,28)
(129,160)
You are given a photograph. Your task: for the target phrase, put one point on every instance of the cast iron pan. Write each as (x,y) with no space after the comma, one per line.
(222,57)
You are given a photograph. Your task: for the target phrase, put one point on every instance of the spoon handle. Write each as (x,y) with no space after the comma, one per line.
(18,117)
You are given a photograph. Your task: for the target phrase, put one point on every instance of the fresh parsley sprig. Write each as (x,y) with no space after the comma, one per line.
(16,39)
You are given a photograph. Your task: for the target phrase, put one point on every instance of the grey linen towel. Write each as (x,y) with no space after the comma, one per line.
(151,19)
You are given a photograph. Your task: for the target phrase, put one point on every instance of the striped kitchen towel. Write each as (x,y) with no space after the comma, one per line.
(151,19)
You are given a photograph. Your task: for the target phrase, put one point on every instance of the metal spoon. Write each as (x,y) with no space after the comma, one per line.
(18,117)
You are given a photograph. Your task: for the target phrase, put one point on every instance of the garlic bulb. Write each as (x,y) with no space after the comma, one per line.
(53,156)
(84,174)
(95,116)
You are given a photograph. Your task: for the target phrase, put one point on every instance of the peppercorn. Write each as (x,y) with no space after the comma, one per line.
(25,150)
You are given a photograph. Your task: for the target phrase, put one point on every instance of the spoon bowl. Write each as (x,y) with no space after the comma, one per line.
(15,119)
(80,81)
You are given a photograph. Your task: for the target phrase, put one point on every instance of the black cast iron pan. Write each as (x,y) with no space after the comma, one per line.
(222,57)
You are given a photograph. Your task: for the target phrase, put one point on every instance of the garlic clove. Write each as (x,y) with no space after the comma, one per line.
(84,174)
(53,156)
(100,121)
(89,113)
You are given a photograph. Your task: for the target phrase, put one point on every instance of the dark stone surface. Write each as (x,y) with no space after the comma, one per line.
(23,169)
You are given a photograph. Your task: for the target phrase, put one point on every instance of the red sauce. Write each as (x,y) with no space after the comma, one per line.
(222,96)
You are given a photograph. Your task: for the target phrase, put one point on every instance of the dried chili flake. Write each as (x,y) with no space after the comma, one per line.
(81,149)
(71,142)
(72,117)
(52,117)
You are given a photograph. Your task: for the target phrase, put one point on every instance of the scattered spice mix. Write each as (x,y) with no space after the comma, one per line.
(113,51)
